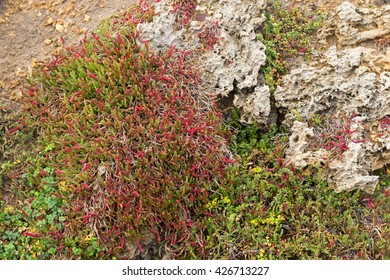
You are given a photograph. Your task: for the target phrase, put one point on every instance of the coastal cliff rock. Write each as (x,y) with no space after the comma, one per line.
(351,78)
(233,63)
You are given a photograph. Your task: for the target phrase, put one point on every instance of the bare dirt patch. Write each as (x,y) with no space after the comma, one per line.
(31,32)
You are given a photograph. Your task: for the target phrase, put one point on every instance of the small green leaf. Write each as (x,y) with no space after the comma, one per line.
(49,147)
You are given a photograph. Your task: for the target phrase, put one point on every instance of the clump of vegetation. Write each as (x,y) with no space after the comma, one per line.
(382,43)
(334,133)
(210,35)
(271,210)
(384,125)
(31,216)
(287,32)
(130,150)
(184,11)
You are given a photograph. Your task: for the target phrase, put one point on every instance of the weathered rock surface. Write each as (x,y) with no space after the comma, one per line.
(255,107)
(342,81)
(352,25)
(299,152)
(351,77)
(349,172)
(235,63)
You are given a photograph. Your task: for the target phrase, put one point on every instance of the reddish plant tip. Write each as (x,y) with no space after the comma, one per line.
(384,123)
(184,11)
(334,134)
(210,35)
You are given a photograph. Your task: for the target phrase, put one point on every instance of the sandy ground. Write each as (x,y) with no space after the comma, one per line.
(31,31)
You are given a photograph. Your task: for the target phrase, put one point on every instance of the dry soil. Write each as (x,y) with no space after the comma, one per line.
(31,31)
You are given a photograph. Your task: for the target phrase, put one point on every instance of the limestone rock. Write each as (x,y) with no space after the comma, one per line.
(347,12)
(255,107)
(352,77)
(298,152)
(162,31)
(349,172)
(239,58)
(235,63)
(342,81)
(353,24)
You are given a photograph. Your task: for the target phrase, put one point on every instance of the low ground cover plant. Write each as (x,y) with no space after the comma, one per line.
(288,31)
(184,11)
(271,210)
(122,143)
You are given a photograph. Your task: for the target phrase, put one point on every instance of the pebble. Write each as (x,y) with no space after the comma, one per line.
(59,27)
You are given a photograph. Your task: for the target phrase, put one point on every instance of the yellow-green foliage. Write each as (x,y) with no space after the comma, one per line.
(286,32)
